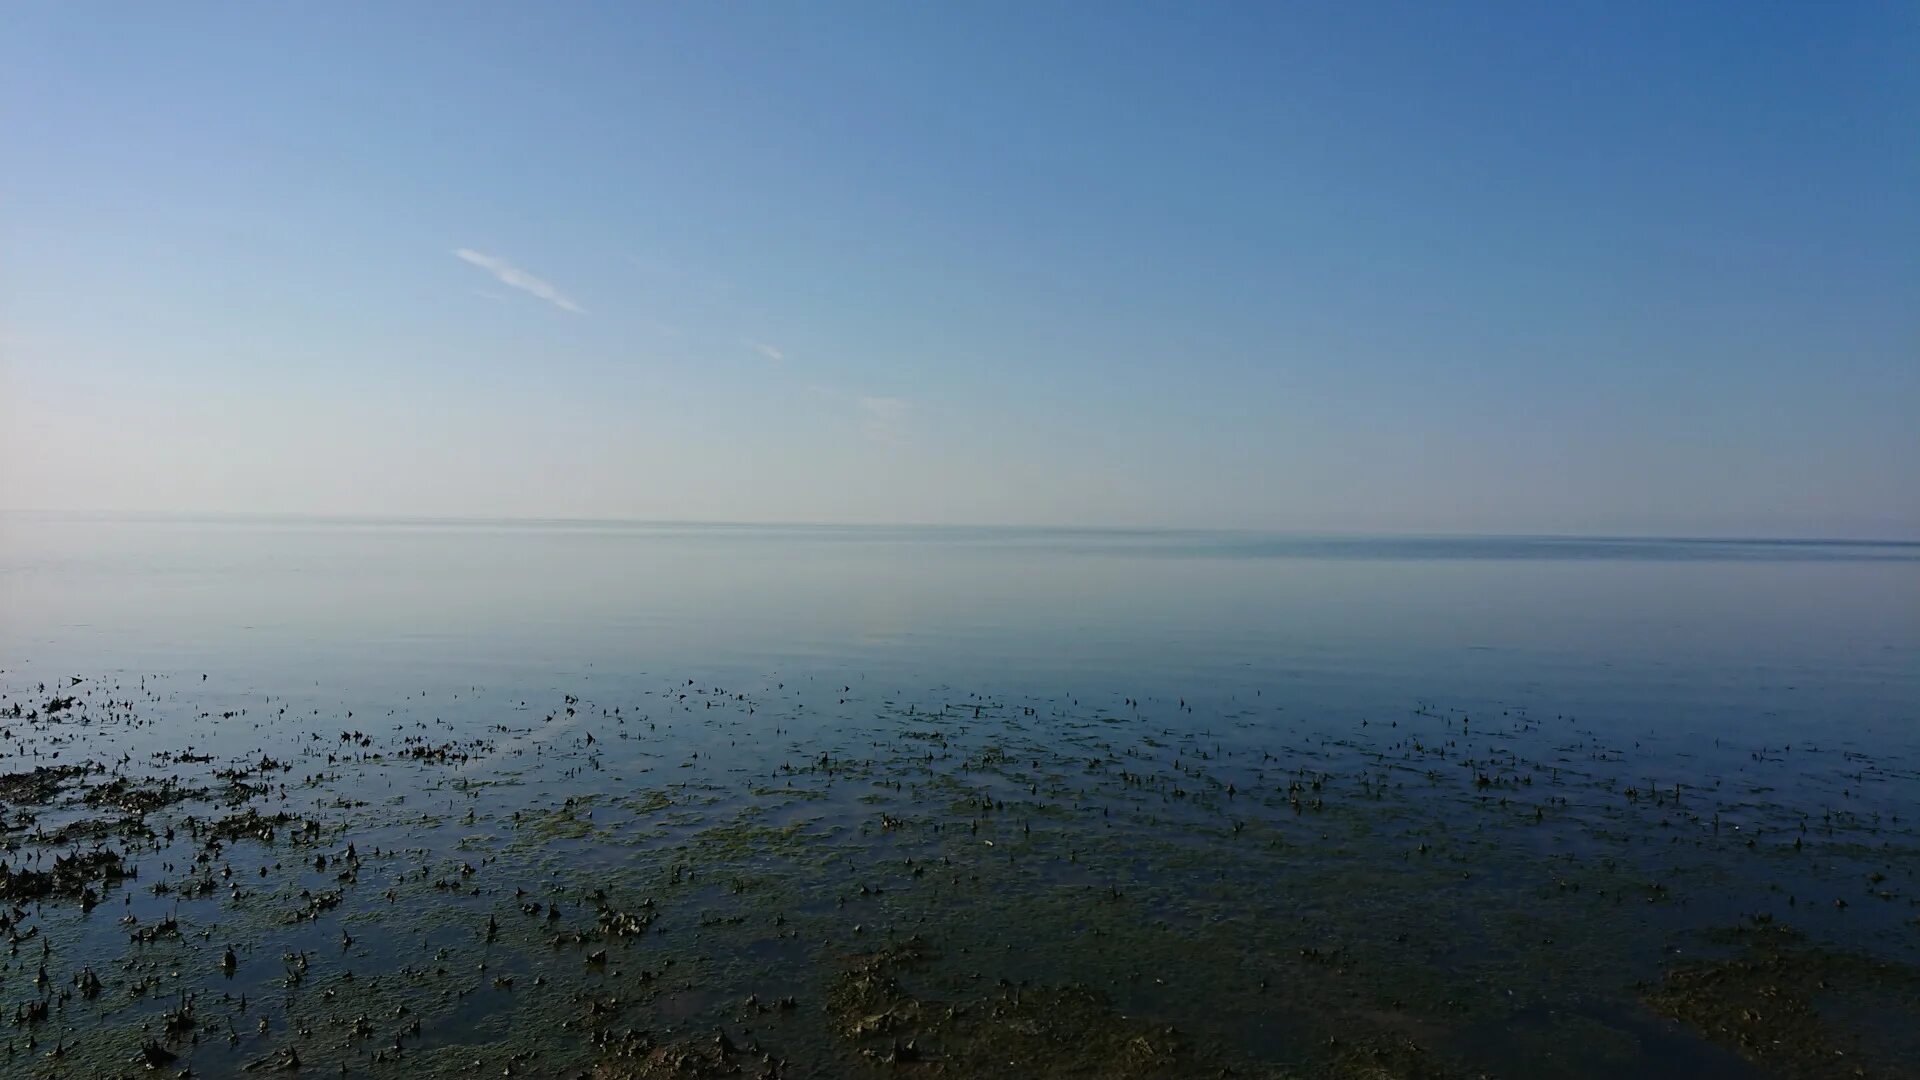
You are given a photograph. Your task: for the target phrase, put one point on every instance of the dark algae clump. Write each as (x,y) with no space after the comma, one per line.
(25,789)
(1775,1001)
(69,876)
(1049,1031)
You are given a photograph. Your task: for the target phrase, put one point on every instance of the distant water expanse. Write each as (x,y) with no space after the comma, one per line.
(418,798)
(1752,635)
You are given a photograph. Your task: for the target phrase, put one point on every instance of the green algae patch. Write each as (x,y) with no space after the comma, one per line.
(742,839)
(562,824)
(1051,1031)
(1777,1003)
(648,802)
(810,794)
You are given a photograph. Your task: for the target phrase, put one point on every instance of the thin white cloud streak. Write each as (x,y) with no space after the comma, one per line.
(515,278)
(767,351)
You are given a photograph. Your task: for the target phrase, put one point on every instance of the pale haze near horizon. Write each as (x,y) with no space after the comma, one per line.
(1521,268)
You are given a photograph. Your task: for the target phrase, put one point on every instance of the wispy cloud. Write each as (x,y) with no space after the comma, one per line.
(514,277)
(766,350)
(884,419)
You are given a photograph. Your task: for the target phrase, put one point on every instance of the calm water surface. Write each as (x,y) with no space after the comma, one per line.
(1470,793)
(1761,639)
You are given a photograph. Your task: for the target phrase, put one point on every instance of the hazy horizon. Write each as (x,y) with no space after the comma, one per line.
(1578,270)
(241,517)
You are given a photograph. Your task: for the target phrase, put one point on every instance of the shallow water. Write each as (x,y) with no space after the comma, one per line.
(1321,804)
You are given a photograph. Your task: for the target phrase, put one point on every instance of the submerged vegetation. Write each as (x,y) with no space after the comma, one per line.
(823,881)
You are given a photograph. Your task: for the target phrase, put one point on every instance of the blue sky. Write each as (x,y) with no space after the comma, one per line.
(1616,268)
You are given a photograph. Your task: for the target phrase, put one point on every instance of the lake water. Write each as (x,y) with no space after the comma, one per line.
(1759,639)
(1203,683)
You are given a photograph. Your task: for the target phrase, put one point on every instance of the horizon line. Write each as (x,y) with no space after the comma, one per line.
(317,517)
